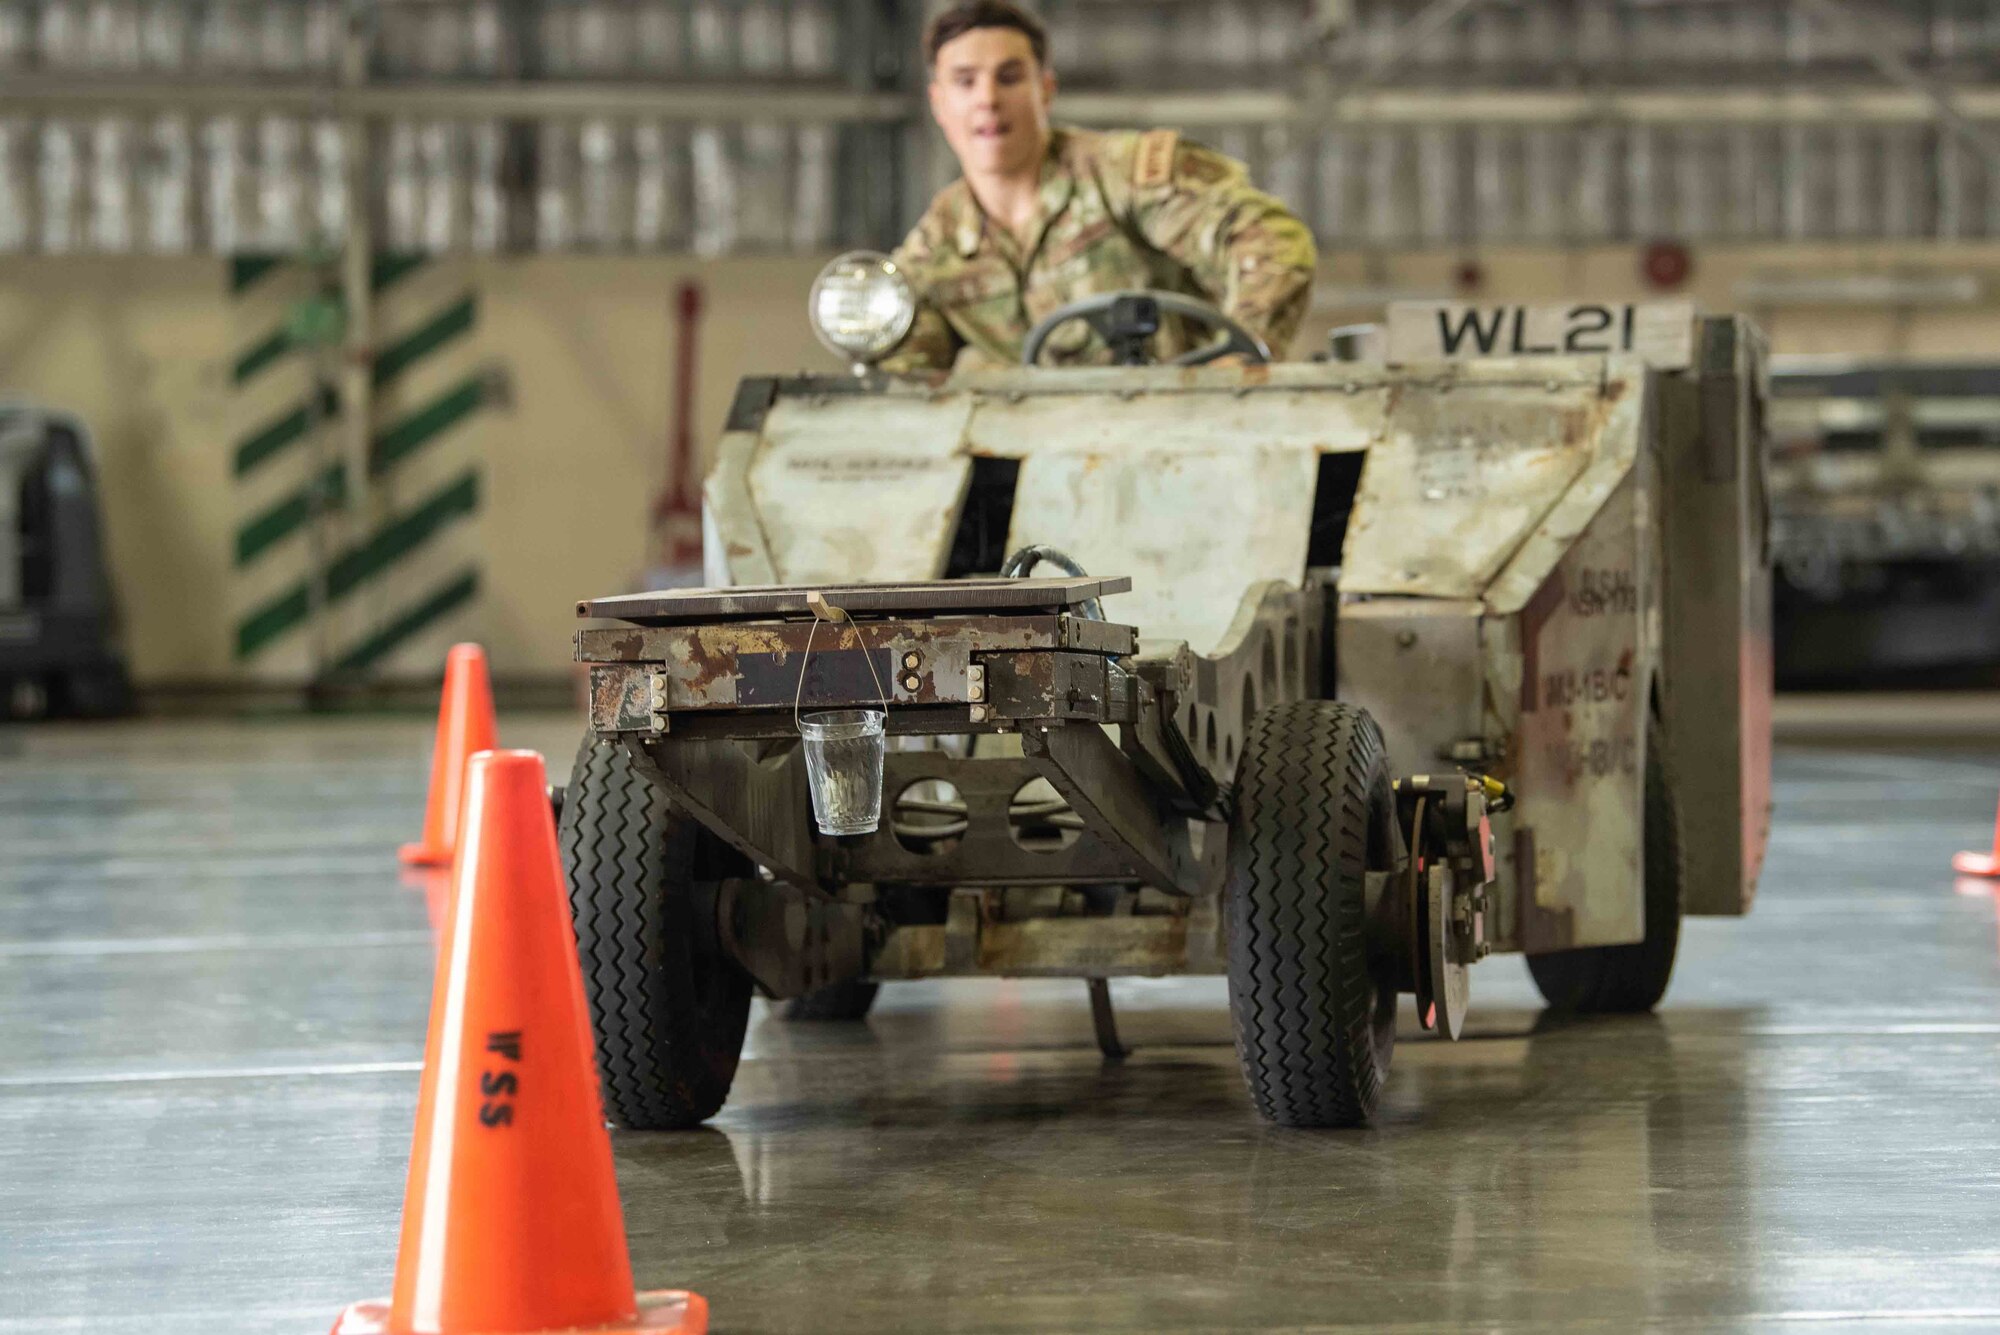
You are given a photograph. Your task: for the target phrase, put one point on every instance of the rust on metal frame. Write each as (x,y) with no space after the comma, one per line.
(986,634)
(641,675)
(620,698)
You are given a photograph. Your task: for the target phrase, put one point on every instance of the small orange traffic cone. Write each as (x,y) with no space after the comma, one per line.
(465,725)
(511,1220)
(1980,864)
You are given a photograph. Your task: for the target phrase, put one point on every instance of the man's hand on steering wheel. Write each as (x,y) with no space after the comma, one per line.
(1127,321)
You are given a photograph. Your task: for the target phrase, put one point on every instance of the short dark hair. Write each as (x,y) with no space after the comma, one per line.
(967,15)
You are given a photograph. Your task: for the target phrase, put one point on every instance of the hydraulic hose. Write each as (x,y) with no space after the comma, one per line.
(1022,564)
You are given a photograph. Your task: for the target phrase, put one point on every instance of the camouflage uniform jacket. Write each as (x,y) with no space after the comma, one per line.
(1118,210)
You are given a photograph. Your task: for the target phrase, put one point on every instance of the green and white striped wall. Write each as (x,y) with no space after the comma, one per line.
(387,578)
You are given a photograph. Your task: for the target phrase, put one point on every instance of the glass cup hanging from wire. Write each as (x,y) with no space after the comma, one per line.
(844,747)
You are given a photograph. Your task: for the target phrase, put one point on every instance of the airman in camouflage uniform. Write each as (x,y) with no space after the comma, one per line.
(1120,210)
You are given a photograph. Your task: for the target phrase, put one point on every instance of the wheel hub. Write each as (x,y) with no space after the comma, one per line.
(1450,865)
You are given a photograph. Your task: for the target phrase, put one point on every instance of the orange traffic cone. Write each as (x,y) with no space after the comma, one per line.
(465,725)
(1980,864)
(511,1219)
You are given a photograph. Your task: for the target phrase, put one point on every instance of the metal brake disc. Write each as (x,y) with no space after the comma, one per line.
(1438,956)
(1447,989)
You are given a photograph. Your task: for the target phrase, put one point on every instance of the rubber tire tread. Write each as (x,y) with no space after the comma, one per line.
(1315,1026)
(846,1001)
(668,1008)
(1630,979)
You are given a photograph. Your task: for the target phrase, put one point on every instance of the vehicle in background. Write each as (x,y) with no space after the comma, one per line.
(59,650)
(1885,521)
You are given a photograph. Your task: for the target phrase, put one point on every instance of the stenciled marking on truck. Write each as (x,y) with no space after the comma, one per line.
(1660,332)
(1597,758)
(1581,737)
(866,467)
(1586,329)
(1589,684)
(1583,692)
(1600,592)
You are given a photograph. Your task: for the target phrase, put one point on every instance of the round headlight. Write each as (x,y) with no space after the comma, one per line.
(861,305)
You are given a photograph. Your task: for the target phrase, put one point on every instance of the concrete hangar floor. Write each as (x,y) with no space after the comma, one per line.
(213,992)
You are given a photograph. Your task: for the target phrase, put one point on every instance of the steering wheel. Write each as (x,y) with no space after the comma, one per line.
(1126,321)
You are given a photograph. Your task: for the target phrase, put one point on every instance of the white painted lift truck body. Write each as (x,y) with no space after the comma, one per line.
(1397,665)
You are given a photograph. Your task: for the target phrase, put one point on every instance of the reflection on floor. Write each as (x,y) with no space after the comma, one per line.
(213,986)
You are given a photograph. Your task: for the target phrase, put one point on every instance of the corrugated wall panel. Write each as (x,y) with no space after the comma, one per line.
(221,183)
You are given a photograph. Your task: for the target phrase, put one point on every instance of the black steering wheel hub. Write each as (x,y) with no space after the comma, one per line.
(1128,321)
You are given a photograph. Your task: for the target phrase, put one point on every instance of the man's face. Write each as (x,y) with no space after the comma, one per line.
(991,98)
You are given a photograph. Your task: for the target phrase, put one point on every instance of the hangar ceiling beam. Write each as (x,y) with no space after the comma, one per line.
(1943,100)
(526,100)
(1806,104)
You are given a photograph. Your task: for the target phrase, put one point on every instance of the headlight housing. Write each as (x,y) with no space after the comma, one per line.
(861,305)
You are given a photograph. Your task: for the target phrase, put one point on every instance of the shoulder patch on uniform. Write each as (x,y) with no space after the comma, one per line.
(1195,165)
(1153,165)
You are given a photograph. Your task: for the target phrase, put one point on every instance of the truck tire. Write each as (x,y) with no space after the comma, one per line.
(1613,980)
(850,1000)
(668,1006)
(1315,1017)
